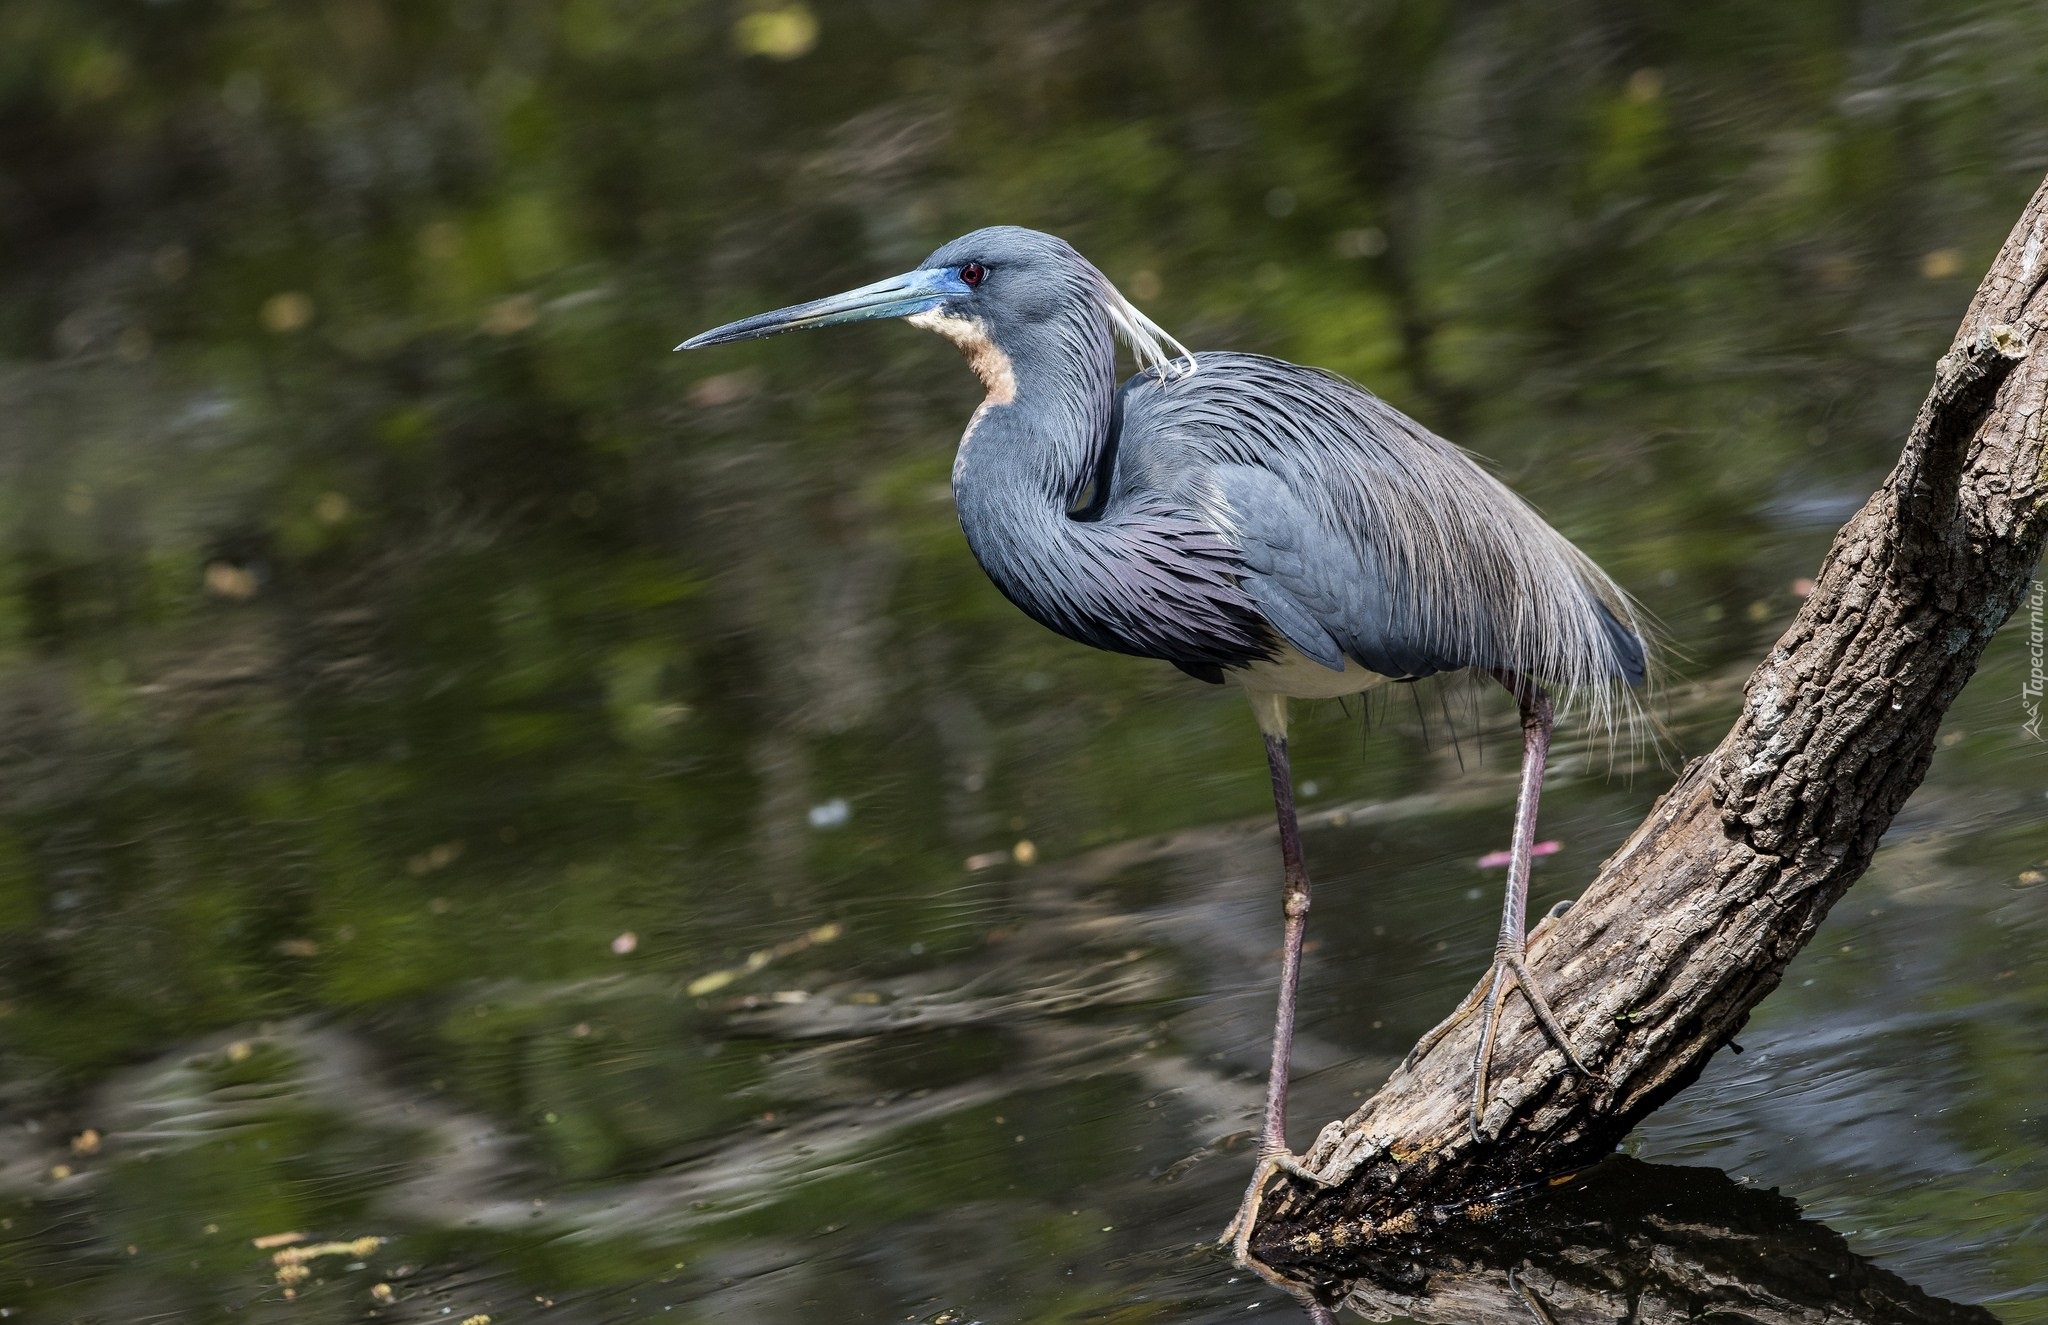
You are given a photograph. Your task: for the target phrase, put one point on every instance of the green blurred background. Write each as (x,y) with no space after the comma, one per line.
(474,779)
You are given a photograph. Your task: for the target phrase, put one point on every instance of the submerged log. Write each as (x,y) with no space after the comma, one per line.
(1693,921)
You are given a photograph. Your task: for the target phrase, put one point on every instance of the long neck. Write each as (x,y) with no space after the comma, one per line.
(1127,574)
(1032,450)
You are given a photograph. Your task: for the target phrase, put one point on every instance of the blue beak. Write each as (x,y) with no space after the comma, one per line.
(900,296)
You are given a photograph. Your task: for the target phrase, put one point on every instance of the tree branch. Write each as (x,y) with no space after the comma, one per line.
(1693,921)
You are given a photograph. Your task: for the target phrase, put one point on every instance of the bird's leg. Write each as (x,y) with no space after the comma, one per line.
(1510,953)
(1274,1157)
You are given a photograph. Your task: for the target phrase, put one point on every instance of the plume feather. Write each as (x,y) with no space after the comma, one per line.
(1151,344)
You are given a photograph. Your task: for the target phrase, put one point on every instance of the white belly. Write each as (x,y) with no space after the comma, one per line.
(1297,676)
(1294,675)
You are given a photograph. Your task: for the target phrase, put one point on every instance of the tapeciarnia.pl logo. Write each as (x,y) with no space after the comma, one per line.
(2037,661)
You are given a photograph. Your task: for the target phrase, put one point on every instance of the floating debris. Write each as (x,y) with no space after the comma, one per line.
(716,980)
(1941,263)
(509,316)
(224,579)
(357,1247)
(1494,860)
(780,32)
(436,857)
(712,983)
(292,1269)
(730,388)
(286,312)
(625,943)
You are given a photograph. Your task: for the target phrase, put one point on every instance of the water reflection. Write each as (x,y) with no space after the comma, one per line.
(416,684)
(1641,1242)
(1050,1118)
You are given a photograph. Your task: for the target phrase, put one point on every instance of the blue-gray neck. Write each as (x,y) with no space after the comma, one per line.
(1031,452)
(1109,565)
(1035,443)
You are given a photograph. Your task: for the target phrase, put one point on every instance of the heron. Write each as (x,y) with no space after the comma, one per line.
(1253,522)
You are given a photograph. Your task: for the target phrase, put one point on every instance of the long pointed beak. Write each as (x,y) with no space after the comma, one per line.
(900,296)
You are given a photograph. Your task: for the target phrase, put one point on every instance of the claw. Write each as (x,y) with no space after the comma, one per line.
(1238,1236)
(1537,1307)
(1482,1057)
(1548,1019)
(1508,966)
(1441,1030)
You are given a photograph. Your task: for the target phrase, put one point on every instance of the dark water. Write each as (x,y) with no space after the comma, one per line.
(576,813)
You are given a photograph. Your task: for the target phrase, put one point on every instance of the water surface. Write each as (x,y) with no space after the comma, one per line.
(575,816)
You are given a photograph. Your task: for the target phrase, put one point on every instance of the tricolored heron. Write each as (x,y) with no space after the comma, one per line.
(1249,521)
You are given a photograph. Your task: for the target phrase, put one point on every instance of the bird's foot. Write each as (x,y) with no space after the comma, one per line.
(1511,966)
(1464,1010)
(1238,1236)
(1443,1028)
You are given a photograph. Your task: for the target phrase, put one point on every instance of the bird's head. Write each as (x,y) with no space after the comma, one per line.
(1003,295)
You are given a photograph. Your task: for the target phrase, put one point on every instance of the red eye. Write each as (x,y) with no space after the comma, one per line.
(974,273)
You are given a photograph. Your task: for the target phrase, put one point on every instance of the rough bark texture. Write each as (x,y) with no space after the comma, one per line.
(1646,1243)
(1693,921)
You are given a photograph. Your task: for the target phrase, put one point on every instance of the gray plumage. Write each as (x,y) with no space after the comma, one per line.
(1243,503)
(1365,536)
(1251,520)
(1230,513)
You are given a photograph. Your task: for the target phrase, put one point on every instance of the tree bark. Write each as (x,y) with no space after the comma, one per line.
(1693,921)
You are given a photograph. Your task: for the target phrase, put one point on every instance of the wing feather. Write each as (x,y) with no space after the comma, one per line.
(1361,529)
